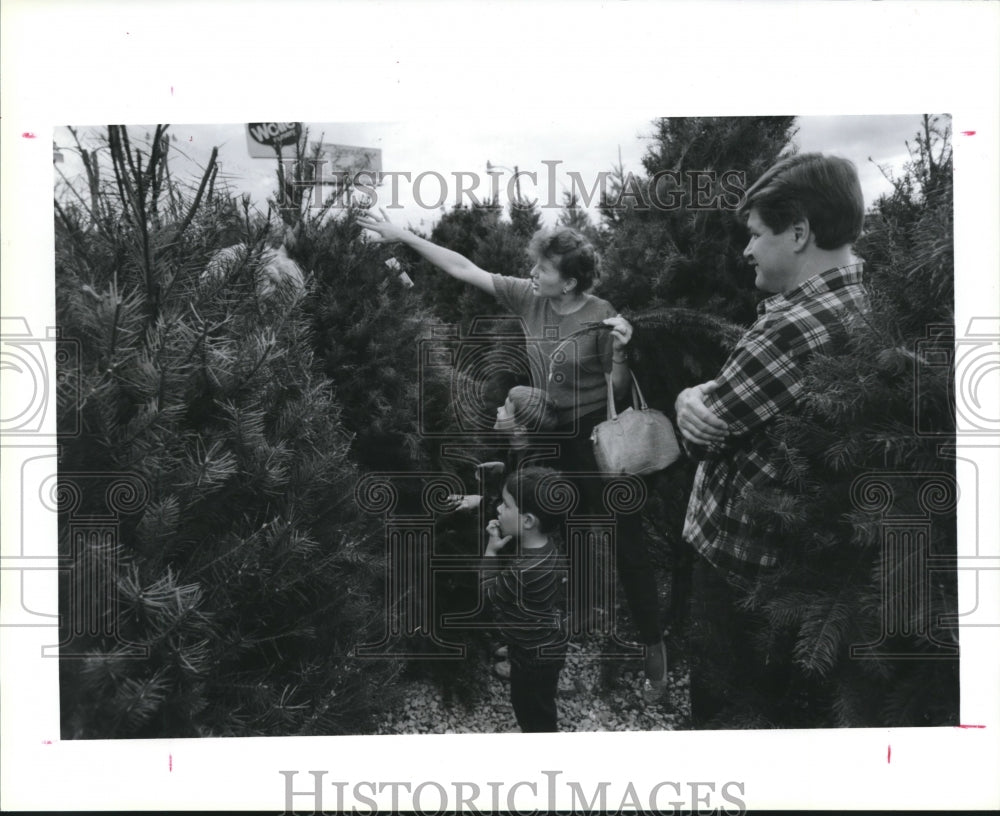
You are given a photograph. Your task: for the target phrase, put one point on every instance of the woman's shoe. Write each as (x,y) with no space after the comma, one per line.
(656,672)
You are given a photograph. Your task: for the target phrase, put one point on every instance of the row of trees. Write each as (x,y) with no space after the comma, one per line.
(250,414)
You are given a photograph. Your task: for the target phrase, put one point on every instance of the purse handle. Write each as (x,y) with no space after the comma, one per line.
(638,400)
(587,329)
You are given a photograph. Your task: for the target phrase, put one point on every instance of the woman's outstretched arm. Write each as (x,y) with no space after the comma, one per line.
(458,266)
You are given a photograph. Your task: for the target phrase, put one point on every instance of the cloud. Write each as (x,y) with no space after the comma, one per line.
(868,141)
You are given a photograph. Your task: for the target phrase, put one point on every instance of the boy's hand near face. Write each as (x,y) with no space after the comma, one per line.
(495,543)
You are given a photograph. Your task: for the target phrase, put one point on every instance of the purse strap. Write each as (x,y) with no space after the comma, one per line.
(637,392)
(638,400)
(587,329)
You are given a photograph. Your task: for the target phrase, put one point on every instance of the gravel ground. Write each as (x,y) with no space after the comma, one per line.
(594,695)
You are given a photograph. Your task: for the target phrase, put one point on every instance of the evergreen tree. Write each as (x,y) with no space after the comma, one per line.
(497,356)
(368,320)
(247,578)
(575,217)
(368,328)
(866,515)
(478,233)
(525,218)
(672,237)
(368,331)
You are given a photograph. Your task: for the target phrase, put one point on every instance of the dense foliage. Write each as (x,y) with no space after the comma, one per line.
(248,574)
(245,409)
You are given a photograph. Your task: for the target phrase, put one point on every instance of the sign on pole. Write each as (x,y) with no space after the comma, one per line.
(336,162)
(342,161)
(265,139)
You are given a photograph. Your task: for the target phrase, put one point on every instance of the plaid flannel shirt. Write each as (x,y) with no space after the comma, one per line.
(762,378)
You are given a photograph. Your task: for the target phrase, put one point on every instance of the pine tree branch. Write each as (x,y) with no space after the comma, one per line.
(87,207)
(92,169)
(154,172)
(125,195)
(211,183)
(73,233)
(209,171)
(125,173)
(115,322)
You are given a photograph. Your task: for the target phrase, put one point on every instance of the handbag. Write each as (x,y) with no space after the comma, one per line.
(638,441)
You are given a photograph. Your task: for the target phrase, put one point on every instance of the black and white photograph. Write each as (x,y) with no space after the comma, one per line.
(337,446)
(304,415)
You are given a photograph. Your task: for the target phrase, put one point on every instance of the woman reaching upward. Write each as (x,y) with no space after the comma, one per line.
(555,304)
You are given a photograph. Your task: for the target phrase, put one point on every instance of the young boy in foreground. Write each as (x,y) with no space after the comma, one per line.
(524,592)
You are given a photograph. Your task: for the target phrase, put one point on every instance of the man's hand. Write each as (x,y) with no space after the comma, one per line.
(696,422)
(495,543)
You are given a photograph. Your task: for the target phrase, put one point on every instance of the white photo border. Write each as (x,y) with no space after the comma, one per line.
(116,62)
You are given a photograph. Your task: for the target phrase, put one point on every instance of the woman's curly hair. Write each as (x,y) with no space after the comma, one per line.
(570,253)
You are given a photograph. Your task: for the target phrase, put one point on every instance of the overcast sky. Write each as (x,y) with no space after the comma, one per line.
(587,147)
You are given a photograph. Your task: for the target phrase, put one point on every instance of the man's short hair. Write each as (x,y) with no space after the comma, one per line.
(538,490)
(825,190)
(569,252)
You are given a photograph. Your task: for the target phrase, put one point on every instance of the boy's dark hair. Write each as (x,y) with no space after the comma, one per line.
(536,490)
(570,252)
(823,189)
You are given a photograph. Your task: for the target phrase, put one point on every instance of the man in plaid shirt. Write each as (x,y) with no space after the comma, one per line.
(804,215)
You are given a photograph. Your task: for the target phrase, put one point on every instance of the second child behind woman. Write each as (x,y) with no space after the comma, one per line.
(526,410)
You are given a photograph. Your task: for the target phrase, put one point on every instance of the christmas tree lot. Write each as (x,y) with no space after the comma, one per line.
(252,386)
